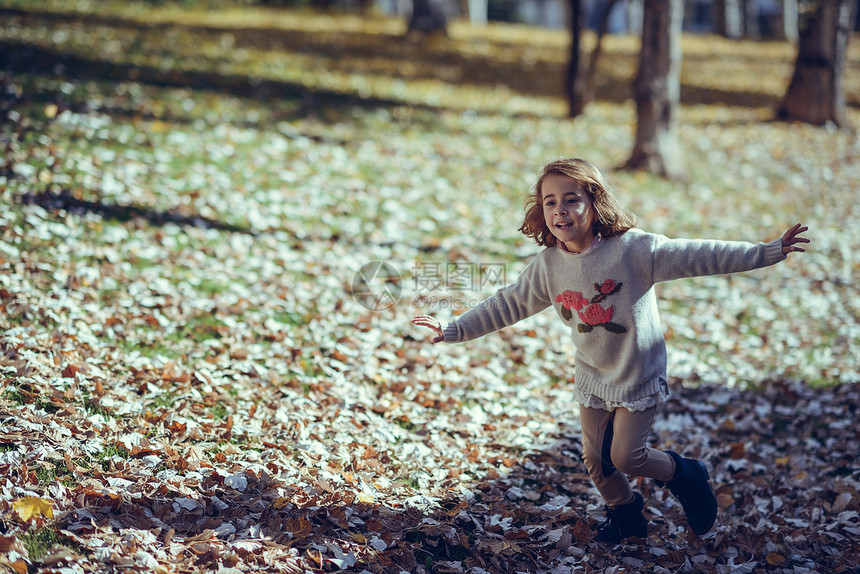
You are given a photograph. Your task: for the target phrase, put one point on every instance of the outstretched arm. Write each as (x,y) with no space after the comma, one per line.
(430,323)
(512,303)
(677,258)
(792,237)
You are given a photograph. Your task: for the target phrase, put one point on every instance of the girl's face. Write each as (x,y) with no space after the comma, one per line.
(567,211)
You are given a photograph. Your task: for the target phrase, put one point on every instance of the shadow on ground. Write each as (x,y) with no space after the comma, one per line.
(67,201)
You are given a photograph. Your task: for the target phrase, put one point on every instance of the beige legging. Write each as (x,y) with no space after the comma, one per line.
(614,445)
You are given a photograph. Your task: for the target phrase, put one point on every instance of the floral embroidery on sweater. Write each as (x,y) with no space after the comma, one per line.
(591,312)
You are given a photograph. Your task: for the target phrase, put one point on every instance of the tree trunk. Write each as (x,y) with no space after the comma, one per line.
(789,21)
(750,12)
(727,18)
(574,77)
(815,94)
(580,81)
(477,10)
(428,16)
(658,90)
(634,16)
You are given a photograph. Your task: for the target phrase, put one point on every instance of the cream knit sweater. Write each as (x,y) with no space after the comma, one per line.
(606,296)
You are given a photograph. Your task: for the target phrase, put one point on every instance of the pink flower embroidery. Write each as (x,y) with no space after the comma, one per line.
(572,300)
(591,313)
(596,315)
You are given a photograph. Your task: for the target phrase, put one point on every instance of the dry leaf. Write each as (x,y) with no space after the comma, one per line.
(775,559)
(32,506)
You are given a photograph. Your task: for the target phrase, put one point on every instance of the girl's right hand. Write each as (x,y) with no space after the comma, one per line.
(430,323)
(791,237)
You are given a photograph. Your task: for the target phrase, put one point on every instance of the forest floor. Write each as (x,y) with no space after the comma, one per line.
(206,367)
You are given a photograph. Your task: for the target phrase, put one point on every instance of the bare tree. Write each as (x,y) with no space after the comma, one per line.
(429,16)
(658,90)
(476,9)
(788,21)
(740,18)
(728,17)
(815,94)
(580,80)
(574,85)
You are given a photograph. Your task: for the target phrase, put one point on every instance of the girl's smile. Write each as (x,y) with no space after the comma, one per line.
(568,212)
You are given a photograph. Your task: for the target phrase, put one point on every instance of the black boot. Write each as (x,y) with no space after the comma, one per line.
(690,486)
(623,522)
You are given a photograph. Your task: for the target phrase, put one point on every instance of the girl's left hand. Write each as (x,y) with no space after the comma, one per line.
(792,237)
(431,323)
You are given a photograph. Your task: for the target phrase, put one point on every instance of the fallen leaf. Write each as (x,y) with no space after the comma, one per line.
(775,559)
(32,506)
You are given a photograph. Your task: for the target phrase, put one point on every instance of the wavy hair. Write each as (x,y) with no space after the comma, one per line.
(610,217)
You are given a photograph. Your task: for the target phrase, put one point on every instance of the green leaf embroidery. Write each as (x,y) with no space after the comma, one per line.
(614,327)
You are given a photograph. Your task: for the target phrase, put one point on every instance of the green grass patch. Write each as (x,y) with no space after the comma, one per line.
(111,451)
(220,411)
(12,394)
(292,318)
(39,542)
(212,287)
(48,475)
(198,329)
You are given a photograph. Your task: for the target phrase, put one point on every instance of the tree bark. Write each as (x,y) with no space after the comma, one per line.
(815,94)
(580,81)
(574,80)
(477,10)
(751,27)
(788,21)
(727,18)
(428,16)
(658,91)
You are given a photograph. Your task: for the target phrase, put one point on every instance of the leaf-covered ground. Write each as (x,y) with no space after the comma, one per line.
(191,379)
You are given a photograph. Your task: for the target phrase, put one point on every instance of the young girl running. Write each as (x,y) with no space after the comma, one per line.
(598,272)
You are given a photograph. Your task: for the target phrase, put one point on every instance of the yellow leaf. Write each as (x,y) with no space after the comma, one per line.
(725,500)
(31,506)
(365,498)
(775,559)
(51,111)
(281,502)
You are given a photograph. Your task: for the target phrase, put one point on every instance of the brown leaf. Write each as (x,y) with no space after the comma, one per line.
(775,559)
(737,451)
(725,500)
(71,370)
(299,527)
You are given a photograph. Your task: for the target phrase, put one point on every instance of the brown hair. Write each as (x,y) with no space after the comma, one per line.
(610,217)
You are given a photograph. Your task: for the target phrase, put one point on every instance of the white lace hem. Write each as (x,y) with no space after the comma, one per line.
(593,401)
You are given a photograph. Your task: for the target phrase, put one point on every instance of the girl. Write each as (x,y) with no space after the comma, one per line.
(598,271)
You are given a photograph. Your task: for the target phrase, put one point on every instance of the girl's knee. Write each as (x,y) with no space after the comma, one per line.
(591,460)
(630,462)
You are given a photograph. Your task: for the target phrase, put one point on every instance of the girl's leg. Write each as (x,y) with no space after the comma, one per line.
(686,478)
(624,507)
(597,439)
(630,452)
